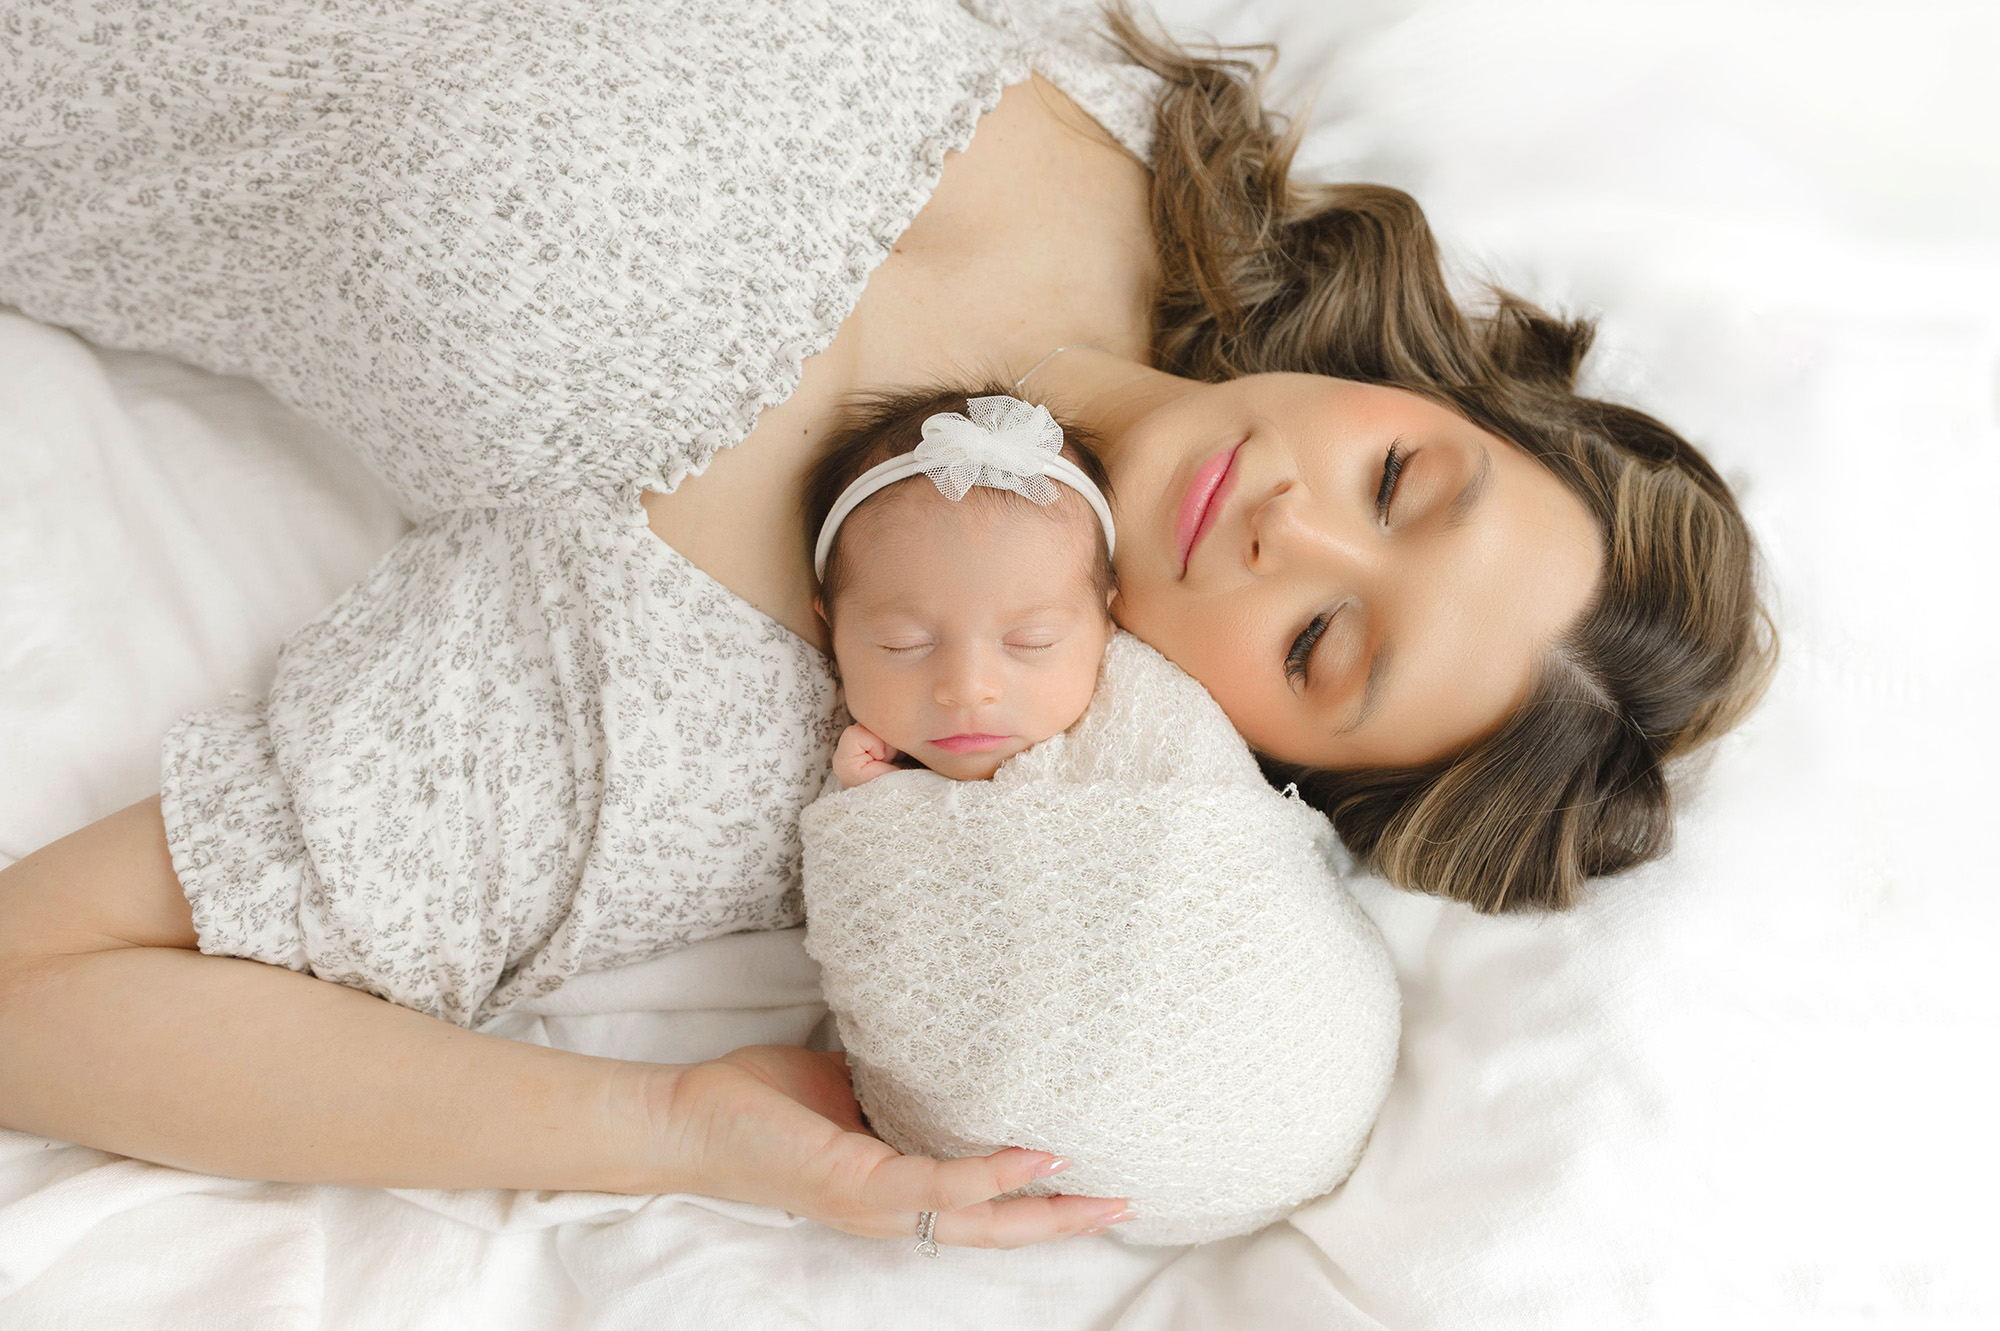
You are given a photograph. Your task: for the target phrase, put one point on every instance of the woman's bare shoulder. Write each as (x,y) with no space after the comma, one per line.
(1036,235)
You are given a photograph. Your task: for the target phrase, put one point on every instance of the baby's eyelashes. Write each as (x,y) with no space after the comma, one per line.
(1031,643)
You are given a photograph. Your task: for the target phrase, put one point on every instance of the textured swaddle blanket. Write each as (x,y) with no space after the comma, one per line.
(1125,948)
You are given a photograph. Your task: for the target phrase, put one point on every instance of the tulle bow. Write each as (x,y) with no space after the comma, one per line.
(1000,442)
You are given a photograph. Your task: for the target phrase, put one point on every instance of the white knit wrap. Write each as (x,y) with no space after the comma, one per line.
(1125,948)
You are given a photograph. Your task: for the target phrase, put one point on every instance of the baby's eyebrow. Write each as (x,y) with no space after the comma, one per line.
(1065,610)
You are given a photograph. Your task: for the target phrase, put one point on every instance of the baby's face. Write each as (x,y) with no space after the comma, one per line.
(967,632)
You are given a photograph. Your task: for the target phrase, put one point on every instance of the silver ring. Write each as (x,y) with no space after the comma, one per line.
(926,1229)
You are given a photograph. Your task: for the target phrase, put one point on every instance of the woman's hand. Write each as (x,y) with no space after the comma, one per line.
(779,1126)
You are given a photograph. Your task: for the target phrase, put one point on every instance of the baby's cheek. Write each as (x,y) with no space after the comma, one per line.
(1073,694)
(867,700)
(890,714)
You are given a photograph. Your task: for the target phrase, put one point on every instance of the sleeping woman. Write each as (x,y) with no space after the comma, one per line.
(590,302)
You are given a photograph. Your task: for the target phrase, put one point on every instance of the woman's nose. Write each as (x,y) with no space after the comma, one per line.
(1286,530)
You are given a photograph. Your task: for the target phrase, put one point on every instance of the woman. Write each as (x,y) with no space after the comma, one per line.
(1470,613)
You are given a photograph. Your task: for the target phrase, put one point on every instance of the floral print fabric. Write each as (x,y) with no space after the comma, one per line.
(528,258)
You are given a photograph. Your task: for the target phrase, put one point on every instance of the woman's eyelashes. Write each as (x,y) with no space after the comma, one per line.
(1300,656)
(1392,471)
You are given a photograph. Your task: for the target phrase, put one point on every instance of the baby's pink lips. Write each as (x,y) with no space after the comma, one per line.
(969,743)
(1202,504)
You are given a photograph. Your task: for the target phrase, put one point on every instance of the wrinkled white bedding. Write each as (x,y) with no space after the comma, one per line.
(1747,1086)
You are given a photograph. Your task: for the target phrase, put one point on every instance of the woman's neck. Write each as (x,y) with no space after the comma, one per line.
(1103,391)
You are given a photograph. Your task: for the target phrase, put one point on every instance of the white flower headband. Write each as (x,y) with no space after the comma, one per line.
(1000,442)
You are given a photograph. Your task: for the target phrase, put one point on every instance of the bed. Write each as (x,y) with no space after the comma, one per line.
(1748,1085)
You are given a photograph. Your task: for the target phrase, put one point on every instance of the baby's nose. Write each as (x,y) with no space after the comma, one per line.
(969,681)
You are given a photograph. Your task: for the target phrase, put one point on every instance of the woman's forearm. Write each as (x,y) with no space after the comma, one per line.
(235,1067)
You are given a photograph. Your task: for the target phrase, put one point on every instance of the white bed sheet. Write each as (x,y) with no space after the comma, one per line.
(1748,1086)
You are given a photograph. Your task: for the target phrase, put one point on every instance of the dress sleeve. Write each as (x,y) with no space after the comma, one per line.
(532,742)
(234,837)
(1065,42)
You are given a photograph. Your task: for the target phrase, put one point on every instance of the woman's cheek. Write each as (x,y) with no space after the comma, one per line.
(1250,689)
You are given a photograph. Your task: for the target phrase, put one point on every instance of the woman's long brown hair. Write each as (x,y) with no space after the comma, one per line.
(1261,272)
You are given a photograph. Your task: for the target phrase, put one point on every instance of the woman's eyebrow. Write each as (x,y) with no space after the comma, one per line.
(1461,505)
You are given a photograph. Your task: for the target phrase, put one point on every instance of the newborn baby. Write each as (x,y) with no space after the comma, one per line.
(1054,902)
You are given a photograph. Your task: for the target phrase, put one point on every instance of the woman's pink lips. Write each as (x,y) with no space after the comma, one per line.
(969,743)
(1203,502)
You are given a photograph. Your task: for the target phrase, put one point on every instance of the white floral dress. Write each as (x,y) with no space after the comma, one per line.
(529,258)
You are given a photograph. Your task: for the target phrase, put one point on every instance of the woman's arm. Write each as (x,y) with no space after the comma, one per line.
(116,1033)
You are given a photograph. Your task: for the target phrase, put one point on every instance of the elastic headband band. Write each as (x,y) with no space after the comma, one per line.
(1004,445)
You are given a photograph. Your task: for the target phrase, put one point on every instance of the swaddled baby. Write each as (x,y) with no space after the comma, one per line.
(1054,902)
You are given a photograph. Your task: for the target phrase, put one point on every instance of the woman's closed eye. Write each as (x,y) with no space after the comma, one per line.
(1392,471)
(1298,660)
(1300,656)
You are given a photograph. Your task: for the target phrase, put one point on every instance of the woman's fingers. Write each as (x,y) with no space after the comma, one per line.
(913,1183)
(1020,1221)
(778,1126)
(962,1192)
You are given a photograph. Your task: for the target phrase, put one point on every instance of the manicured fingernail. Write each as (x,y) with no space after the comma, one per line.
(1048,1167)
(1127,1214)
(1094,1229)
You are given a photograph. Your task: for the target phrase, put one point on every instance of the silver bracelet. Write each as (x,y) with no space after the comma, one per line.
(926,1229)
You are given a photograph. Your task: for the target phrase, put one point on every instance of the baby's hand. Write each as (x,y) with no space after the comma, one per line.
(861,756)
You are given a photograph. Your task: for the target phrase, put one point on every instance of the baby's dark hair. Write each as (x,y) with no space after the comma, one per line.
(881,426)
